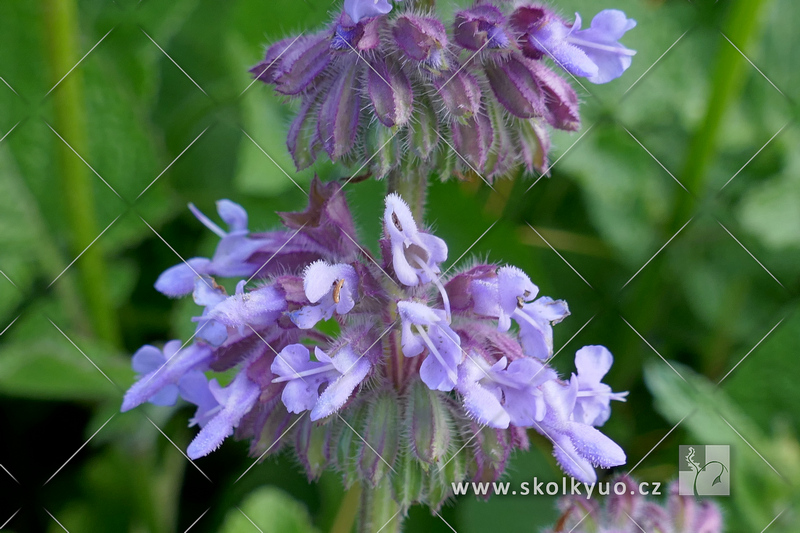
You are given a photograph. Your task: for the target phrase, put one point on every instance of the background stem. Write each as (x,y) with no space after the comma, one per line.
(76,186)
(379,511)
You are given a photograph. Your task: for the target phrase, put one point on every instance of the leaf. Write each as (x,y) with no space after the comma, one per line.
(272,511)
(49,367)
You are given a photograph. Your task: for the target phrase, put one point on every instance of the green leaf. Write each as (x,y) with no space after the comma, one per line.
(272,511)
(49,367)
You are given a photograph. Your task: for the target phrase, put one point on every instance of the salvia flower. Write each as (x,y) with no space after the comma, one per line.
(464,97)
(438,362)
(627,511)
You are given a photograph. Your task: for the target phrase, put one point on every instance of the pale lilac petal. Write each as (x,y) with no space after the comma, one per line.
(166,396)
(361,9)
(308,316)
(595,447)
(257,308)
(147,358)
(337,392)
(241,395)
(571,461)
(593,362)
(179,280)
(233,214)
(194,388)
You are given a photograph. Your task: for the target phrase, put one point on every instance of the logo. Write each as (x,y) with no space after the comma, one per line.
(704,470)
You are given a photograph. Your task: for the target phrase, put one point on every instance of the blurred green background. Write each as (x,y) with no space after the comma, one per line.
(160,112)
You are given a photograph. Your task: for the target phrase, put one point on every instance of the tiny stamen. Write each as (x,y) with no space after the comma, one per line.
(435,280)
(337,288)
(429,343)
(305,373)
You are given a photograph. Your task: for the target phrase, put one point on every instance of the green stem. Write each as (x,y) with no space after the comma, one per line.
(76,186)
(348,510)
(379,511)
(741,26)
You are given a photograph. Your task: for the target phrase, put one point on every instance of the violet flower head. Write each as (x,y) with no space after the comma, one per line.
(413,353)
(594,53)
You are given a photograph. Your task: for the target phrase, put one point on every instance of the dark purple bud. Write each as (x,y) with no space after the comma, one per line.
(460,93)
(265,70)
(421,39)
(560,99)
(313,446)
(326,220)
(429,421)
(459,287)
(525,20)
(423,131)
(514,83)
(301,63)
(381,433)
(362,37)
(303,141)
(535,144)
(371,37)
(338,117)
(503,152)
(481,27)
(472,139)
(390,93)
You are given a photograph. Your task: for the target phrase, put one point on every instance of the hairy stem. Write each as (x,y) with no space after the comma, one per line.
(76,185)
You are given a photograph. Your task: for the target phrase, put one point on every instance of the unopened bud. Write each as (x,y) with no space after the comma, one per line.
(338,117)
(313,445)
(390,93)
(421,39)
(481,27)
(514,83)
(381,435)
(429,421)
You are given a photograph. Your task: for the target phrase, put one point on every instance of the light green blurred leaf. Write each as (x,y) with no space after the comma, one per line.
(757,493)
(51,368)
(272,510)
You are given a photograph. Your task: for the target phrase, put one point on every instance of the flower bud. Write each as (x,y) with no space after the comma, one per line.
(381,435)
(338,116)
(514,83)
(303,141)
(408,483)
(560,99)
(472,139)
(535,144)
(348,445)
(523,21)
(301,63)
(384,146)
(266,69)
(481,27)
(460,93)
(421,39)
(390,93)
(502,153)
(492,449)
(452,470)
(622,506)
(423,130)
(429,421)
(313,446)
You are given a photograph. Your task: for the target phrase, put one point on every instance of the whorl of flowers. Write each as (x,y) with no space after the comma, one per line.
(627,511)
(399,87)
(418,375)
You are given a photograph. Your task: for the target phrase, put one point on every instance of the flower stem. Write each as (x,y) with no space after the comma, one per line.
(76,185)
(348,510)
(729,69)
(379,511)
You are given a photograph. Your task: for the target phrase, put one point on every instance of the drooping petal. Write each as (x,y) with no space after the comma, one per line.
(179,280)
(352,369)
(236,400)
(258,308)
(599,43)
(361,9)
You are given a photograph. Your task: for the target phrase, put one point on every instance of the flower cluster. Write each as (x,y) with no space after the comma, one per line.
(627,511)
(399,90)
(414,372)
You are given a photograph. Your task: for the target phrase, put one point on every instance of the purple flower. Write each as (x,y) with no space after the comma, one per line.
(303,377)
(594,53)
(208,294)
(576,446)
(162,373)
(504,393)
(536,321)
(238,253)
(415,255)
(361,9)
(503,295)
(258,308)
(481,27)
(593,402)
(331,287)
(235,401)
(425,327)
